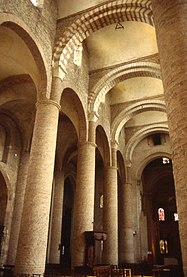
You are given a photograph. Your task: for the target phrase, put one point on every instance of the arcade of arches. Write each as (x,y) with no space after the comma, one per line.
(93,133)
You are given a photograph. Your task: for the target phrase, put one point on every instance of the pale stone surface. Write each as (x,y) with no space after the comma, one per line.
(84,201)
(126,228)
(172,57)
(35,218)
(18,207)
(110,215)
(56,222)
(115,97)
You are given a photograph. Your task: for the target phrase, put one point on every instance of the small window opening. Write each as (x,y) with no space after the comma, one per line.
(161,214)
(77,58)
(163,246)
(165,160)
(101,201)
(157,139)
(176,217)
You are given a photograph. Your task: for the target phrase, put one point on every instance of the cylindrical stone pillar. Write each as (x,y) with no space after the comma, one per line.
(32,244)
(170,18)
(110,215)
(18,207)
(56,222)
(126,240)
(84,200)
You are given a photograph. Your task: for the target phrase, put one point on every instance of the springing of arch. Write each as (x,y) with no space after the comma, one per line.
(103,15)
(140,135)
(103,145)
(70,100)
(132,110)
(120,162)
(136,69)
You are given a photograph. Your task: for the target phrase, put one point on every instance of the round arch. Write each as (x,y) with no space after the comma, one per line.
(132,110)
(122,73)
(103,144)
(95,19)
(141,134)
(148,159)
(121,167)
(21,29)
(71,105)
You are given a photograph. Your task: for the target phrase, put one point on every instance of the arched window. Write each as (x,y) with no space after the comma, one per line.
(101,201)
(165,160)
(176,217)
(163,244)
(161,214)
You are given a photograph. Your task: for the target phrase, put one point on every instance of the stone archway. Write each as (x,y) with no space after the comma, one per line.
(159,192)
(95,19)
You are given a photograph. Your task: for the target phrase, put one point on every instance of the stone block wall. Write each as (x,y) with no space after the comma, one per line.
(41,23)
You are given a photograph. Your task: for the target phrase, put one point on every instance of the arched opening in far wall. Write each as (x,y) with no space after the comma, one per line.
(159,206)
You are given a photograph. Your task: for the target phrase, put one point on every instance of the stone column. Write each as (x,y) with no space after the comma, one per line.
(31,253)
(170,18)
(84,200)
(126,244)
(110,213)
(56,222)
(18,207)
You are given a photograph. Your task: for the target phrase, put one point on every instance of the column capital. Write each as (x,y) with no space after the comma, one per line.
(107,167)
(83,143)
(48,102)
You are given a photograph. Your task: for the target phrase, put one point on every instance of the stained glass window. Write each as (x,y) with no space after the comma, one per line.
(161,214)
(176,218)
(163,246)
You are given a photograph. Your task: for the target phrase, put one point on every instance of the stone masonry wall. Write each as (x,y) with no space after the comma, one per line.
(78,77)
(40,22)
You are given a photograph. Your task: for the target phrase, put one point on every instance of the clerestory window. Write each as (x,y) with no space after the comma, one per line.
(161,214)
